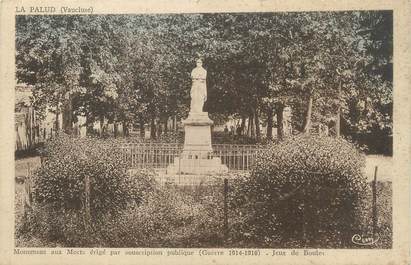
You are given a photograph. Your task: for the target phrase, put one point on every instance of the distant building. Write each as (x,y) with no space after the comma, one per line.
(25,122)
(30,129)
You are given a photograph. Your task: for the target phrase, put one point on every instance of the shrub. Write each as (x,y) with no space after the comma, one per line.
(61,179)
(59,187)
(304,191)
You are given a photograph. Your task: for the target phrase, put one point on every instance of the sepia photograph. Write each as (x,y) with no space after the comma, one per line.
(240,130)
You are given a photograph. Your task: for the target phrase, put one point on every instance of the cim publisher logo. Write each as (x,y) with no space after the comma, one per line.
(364,240)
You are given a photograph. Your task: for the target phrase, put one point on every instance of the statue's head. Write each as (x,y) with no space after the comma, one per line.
(199,62)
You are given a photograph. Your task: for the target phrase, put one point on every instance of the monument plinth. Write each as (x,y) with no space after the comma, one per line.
(197,156)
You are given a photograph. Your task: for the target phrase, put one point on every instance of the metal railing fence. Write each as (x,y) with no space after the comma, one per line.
(161,155)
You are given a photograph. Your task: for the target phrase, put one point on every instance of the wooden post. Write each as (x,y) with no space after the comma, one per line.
(374,204)
(304,219)
(338,120)
(87,202)
(27,192)
(225,210)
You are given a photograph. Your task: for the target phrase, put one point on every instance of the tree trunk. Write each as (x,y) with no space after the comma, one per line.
(57,119)
(142,129)
(166,125)
(280,119)
(101,125)
(257,125)
(115,132)
(248,127)
(160,128)
(89,125)
(68,116)
(242,126)
(32,126)
(152,129)
(270,124)
(307,124)
(28,128)
(125,129)
(251,127)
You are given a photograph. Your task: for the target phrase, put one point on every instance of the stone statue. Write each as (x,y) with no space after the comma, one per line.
(199,88)
(197,155)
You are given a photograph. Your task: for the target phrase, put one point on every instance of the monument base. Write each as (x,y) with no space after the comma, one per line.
(196,165)
(197,156)
(197,131)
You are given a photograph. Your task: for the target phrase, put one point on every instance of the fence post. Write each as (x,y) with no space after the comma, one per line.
(87,202)
(304,212)
(225,210)
(27,191)
(374,204)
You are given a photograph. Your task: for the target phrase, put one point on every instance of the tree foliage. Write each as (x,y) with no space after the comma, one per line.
(135,68)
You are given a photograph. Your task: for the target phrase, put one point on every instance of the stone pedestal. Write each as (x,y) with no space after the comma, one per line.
(197,132)
(197,156)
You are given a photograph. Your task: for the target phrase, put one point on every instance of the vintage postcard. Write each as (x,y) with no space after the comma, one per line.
(205,132)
